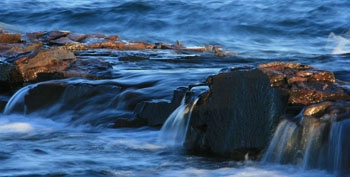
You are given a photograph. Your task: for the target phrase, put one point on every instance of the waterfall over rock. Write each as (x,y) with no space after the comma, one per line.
(319,141)
(174,130)
(281,143)
(80,101)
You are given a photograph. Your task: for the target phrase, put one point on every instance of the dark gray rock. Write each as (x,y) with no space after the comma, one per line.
(156,112)
(238,115)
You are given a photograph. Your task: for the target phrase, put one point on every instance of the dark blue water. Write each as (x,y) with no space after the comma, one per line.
(251,28)
(42,144)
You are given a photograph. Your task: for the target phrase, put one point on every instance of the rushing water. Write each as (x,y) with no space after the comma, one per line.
(48,142)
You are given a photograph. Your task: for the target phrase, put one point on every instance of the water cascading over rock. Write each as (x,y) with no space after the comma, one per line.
(173,132)
(315,140)
(78,101)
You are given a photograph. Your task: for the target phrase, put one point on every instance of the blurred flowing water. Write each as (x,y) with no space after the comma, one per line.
(51,142)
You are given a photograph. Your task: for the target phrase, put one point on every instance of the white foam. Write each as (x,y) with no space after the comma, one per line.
(19,127)
(342,44)
(24,124)
(249,171)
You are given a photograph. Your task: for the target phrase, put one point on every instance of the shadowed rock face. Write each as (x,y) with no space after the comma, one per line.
(238,114)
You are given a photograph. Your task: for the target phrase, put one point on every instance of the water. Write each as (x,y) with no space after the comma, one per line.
(173,132)
(61,140)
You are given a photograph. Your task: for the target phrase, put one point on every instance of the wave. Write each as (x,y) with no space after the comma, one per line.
(303,26)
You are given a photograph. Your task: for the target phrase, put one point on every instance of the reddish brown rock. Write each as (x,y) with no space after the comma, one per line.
(44,61)
(113,38)
(34,36)
(10,38)
(13,49)
(122,45)
(77,37)
(73,46)
(57,34)
(62,41)
(316,92)
(306,85)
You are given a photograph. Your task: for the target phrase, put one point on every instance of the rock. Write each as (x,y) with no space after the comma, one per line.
(122,45)
(61,41)
(10,80)
(113,38)
(44,61)
(77,37)
(316,92)
(129,123)
(89,68)
(155,113)
(3,102)
(318,140)
(53,35)
(84,101)
(10,38)
(34,36)
(15,49)
(306,84)
(73,46)
(237,115)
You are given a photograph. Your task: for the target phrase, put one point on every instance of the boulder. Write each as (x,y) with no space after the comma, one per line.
(237,115)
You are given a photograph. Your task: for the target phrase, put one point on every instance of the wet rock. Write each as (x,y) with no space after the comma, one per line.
(15,49)
(89,68)
(317,138)
(10,38)
(237,115)
(44,61)
(84,101)
(73,46)
(129,123)
(34,36)
(161,45)
(122,45)
(328,111)
(61,41)
(53,35)
(306,84)
(316,92)
(155,113)
(133,58)
(10,79)
(113,38)
(3,102)
(77,37)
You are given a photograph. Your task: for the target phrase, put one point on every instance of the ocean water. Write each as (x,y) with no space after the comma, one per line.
(316,33)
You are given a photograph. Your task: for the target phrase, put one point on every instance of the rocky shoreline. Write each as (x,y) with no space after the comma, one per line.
(238,115)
